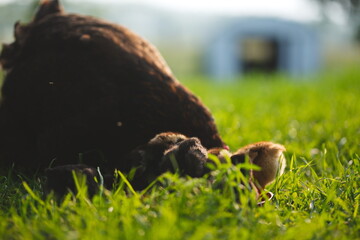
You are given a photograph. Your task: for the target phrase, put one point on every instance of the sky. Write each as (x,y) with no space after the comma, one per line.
(280,8)
(301,10)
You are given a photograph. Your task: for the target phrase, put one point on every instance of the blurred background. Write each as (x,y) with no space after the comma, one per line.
(227,39)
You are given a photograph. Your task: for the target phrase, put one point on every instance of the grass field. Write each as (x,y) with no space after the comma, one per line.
(318,120)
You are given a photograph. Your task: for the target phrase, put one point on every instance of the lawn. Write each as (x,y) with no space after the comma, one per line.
(317,119)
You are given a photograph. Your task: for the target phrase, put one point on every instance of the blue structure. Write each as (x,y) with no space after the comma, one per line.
(286,46)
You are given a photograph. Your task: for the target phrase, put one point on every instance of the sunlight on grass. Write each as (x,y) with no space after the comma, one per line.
(318,197)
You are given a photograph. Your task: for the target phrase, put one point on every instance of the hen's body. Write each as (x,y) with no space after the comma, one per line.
(78,84)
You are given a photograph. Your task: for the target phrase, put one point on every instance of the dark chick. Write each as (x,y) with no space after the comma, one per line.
(167,152)
(60,179)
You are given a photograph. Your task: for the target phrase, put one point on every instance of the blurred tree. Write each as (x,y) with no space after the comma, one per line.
(350,7)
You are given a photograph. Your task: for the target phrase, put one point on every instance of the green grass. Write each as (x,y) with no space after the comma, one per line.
(318,120)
